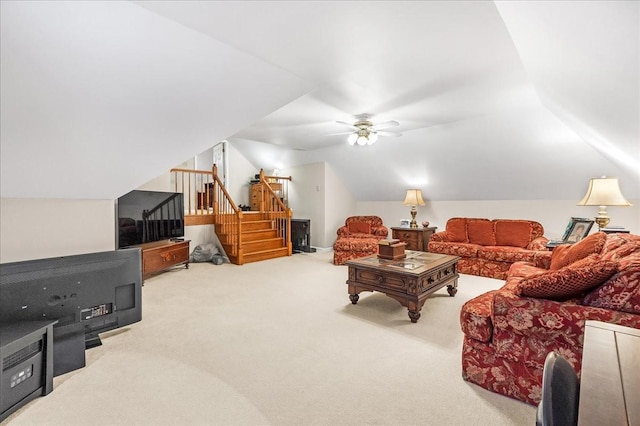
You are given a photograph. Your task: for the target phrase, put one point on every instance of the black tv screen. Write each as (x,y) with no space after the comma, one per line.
(87,294)
(147,216)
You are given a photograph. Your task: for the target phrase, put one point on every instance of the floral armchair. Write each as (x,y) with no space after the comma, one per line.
(509,332)
(358,237)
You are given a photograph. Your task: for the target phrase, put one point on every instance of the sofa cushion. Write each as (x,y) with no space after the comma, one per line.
(515,233)
(570,281)
(622,291)
(457,229)
(480,231)
(567,254)
(359,227)
(454,249)
(368,245)
(506,254)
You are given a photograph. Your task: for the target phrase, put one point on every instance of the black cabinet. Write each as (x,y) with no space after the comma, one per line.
(26,363)
(301,236)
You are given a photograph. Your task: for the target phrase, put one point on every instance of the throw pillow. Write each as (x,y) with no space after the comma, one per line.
(592,244)
(457,229)
(359,227)
(569,281)
(480,231)
(513,233)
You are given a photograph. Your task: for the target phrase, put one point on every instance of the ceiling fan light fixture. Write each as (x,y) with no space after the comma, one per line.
(353,137)
(373,138)
(362,140)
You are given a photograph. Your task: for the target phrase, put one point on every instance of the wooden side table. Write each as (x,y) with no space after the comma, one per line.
(415,238)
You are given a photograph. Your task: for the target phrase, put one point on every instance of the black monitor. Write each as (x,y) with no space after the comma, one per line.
(87,294)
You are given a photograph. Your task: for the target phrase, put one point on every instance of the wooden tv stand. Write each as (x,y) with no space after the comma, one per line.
(162,255)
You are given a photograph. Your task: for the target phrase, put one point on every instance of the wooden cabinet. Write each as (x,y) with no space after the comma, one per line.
(415,238)
(162,255)
(255,194)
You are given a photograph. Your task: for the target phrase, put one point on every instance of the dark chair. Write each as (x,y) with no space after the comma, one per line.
(560,393)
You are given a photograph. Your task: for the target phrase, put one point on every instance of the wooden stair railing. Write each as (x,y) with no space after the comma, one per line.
(246,237)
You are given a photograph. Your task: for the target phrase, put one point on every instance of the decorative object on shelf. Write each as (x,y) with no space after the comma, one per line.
(425,224)
(577,229)
(413,199)
(365,132)
(603,192)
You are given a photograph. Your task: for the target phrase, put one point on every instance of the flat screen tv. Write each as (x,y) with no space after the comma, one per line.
(87,294)
(147,216)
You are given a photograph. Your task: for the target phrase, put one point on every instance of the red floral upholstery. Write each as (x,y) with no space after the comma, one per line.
(352,243)
(507,336)
(489,247)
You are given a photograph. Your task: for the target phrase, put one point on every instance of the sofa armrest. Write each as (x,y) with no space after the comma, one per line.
(539,243)
(380,231)
(440,237)
(343,231)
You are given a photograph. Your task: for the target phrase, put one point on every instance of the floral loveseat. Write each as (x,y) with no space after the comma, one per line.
(543,308)
(489,247)
(358,237)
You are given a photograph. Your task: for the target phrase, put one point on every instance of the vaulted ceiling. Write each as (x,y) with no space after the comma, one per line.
(495,100)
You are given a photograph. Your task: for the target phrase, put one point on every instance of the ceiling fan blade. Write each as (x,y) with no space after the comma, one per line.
(394,134)
(385,125)
(338,134)
(347,124)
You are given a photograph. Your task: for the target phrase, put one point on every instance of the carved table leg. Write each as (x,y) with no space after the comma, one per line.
(414,316)
(354,298)
(452,290)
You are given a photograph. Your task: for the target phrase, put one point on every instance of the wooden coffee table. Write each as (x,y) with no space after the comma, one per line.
(409,280)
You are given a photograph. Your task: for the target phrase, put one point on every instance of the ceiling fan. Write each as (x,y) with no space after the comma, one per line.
(364,132)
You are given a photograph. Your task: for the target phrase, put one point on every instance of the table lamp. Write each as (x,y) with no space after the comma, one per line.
(603,192)
(413,199)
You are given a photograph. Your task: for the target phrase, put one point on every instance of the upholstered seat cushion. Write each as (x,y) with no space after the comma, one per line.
(506,254)
(360,244)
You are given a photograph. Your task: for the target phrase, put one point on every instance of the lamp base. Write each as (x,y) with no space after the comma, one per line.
(413,223)
(602,222)
(602,219)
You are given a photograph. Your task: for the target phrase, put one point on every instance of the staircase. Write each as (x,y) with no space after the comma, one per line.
(245,236)
(259,239)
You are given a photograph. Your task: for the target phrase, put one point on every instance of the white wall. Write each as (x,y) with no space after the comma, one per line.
(240,173)
(42,228)
(339,204)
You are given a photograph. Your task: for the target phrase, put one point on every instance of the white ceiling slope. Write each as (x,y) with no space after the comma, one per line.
(100,97)
(505,100)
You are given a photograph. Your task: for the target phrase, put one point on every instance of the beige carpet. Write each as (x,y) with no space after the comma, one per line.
(277,343)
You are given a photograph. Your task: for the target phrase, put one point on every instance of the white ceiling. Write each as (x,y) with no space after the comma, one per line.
(495,100)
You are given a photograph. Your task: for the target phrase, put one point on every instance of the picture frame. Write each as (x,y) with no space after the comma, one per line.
(404,223)
(577,229)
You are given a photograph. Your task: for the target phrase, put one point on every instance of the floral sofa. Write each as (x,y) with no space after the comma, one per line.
(543,308)
(489,247)
(358,237)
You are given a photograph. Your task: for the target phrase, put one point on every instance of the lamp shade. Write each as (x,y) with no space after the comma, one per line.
(413,198)
(604,191)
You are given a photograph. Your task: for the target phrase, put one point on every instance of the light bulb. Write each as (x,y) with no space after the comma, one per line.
(373,137)
(352,138)
(362,140)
